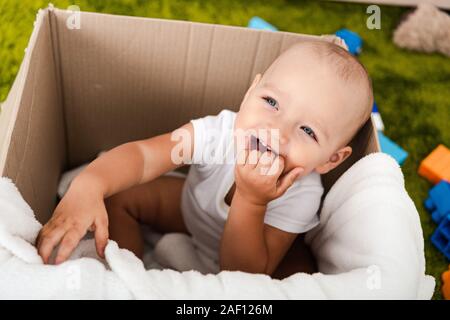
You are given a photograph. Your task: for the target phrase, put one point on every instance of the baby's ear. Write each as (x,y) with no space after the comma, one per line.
(336,159)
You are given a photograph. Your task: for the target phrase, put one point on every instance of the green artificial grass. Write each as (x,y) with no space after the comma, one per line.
(411,89)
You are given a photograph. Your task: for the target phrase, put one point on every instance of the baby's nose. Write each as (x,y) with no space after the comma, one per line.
(279,139)
(281,131)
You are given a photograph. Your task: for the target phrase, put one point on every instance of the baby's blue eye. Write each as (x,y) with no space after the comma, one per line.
(309,132)
(271,101)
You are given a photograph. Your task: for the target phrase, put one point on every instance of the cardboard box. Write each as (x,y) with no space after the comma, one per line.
(116,79)
(445,4)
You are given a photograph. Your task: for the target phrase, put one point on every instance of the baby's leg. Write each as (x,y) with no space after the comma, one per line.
(156,203)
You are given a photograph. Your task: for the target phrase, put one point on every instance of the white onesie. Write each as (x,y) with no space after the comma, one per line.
(202,203)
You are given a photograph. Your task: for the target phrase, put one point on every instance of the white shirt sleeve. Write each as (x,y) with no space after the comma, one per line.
(212,137)
(296,210)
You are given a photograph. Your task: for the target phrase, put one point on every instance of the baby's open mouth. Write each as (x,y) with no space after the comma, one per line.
(258,144)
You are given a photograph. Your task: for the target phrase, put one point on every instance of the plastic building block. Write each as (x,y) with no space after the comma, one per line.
(259,23)
(436,166)
(352,40)
(441,237)
(379,125)
(374,107)
(446,284)
(391,148)
(438,201)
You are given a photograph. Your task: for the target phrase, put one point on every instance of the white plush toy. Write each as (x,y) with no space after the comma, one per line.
(426,29)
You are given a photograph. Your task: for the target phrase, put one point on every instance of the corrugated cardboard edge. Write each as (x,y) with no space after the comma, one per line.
(11,105)
(407,3)
(57,60)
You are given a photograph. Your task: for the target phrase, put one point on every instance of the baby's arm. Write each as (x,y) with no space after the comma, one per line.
(133,163)
(83,208)
(247,243)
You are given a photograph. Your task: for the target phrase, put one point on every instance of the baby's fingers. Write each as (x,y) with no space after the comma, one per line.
(265,163)
(101,235)
(242,157)
(288,179)
(253,158)
(68,244)
(277,166)
(46,242)
(243,152)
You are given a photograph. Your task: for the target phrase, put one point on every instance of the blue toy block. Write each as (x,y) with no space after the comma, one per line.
(441,237)
(259,23)
(438,201)
(352,40)
(374,107)
(391,148)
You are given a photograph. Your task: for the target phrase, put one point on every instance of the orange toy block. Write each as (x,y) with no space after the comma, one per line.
(436,166)
(446,284)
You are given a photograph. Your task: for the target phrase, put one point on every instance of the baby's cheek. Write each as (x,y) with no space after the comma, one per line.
(301,157)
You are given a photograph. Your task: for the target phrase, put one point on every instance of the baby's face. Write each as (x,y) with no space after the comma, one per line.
(310,107)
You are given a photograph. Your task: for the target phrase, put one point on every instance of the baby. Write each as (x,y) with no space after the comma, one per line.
(244,212)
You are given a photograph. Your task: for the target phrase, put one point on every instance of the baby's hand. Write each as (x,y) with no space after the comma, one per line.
(80,209)
(257,176)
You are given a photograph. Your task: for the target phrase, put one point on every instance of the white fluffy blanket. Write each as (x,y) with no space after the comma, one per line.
(369,245)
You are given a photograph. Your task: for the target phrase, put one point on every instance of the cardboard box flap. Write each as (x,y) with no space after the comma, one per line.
(33,149)
(439,3)
(10,106)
